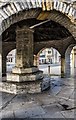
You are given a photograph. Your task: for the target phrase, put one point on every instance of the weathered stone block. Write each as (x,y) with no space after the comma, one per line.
(24,77)
(24,70)
(25,87)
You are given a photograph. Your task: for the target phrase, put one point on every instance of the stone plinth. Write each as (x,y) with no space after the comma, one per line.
(24,75)
(18,70)
(25,80)
(25,87)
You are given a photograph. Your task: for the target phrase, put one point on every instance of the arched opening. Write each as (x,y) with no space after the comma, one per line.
(49,59)
(55,33)
(70,61)
(10,60)
(73,61)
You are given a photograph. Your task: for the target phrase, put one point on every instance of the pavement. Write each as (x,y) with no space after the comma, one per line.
(57,102)
(55,69)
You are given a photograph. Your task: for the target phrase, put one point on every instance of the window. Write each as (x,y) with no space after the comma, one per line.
(49,52)
(42,55)
(9,59)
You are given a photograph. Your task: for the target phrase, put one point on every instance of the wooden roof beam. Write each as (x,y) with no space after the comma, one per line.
(38,24)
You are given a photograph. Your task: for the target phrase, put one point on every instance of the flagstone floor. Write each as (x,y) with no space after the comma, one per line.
(57,102)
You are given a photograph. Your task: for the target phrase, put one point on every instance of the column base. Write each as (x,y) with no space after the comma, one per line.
(18,70)
(22,75)
(18,88)
(28,80)
(62,75)
(25,87)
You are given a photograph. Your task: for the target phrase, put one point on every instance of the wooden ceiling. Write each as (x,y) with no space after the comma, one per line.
(44,32)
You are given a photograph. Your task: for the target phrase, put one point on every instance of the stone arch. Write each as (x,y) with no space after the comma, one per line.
(43,45)
(36,57)
(70,47)
(5,51)
(66,8)
(61,12)
(58,45)
(67,60)
(48,47)
(10,60)
(37,54)
(61,19)
(46,61)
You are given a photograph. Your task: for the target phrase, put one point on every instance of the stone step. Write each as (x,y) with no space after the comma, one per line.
(25,87)
(24,77)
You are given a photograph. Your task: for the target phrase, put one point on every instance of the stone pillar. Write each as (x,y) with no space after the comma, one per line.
(36,60)
(24,48)
(75,60)
(74,57)
(24,69)
(0,60)
(67,65)
(4,54)
(62,67)
(25,76)
(3,65)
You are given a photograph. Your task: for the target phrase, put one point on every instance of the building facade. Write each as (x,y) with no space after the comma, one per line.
(49,55)
(11,60)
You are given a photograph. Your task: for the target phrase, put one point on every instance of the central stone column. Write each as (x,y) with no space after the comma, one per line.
(26,76)
(24,48)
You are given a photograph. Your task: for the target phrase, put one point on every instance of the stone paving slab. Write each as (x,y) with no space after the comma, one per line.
(64,95)
(48,116)
(6,98)
(53,108)
(25,113)
(56,90)
(44,105)
(8,114)
(55,115)
(68,114)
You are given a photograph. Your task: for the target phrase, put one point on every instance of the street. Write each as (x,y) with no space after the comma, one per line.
(54,68)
